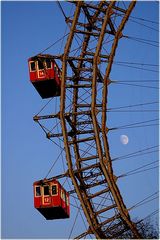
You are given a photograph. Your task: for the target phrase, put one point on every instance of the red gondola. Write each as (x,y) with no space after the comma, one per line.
(45,75)
(51,199)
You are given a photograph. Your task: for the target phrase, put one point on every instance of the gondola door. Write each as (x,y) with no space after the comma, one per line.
(41,70)
(46,197)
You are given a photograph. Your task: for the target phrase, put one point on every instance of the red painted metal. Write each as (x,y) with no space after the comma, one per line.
(45,75)
(51,199)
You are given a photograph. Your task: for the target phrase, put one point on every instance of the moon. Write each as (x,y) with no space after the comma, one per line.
(124,139)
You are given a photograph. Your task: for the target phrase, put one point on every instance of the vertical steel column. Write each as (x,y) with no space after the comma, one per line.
(94,82)
(85,206)
(115,191)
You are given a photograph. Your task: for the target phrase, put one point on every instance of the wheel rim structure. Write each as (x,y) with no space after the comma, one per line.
(85,79)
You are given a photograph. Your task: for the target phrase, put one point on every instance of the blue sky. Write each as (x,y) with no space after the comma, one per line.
(27,29)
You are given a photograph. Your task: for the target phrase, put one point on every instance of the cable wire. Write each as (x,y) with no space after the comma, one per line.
(133,154)
(62,10)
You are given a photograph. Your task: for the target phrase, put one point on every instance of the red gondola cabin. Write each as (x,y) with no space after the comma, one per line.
(51,199)
(45,75)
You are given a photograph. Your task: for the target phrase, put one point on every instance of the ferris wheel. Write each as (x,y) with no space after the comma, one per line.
(79,80)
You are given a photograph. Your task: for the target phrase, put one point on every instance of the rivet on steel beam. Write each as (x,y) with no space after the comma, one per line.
(48,135)
(109,81)
(35,118)
(107,130)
